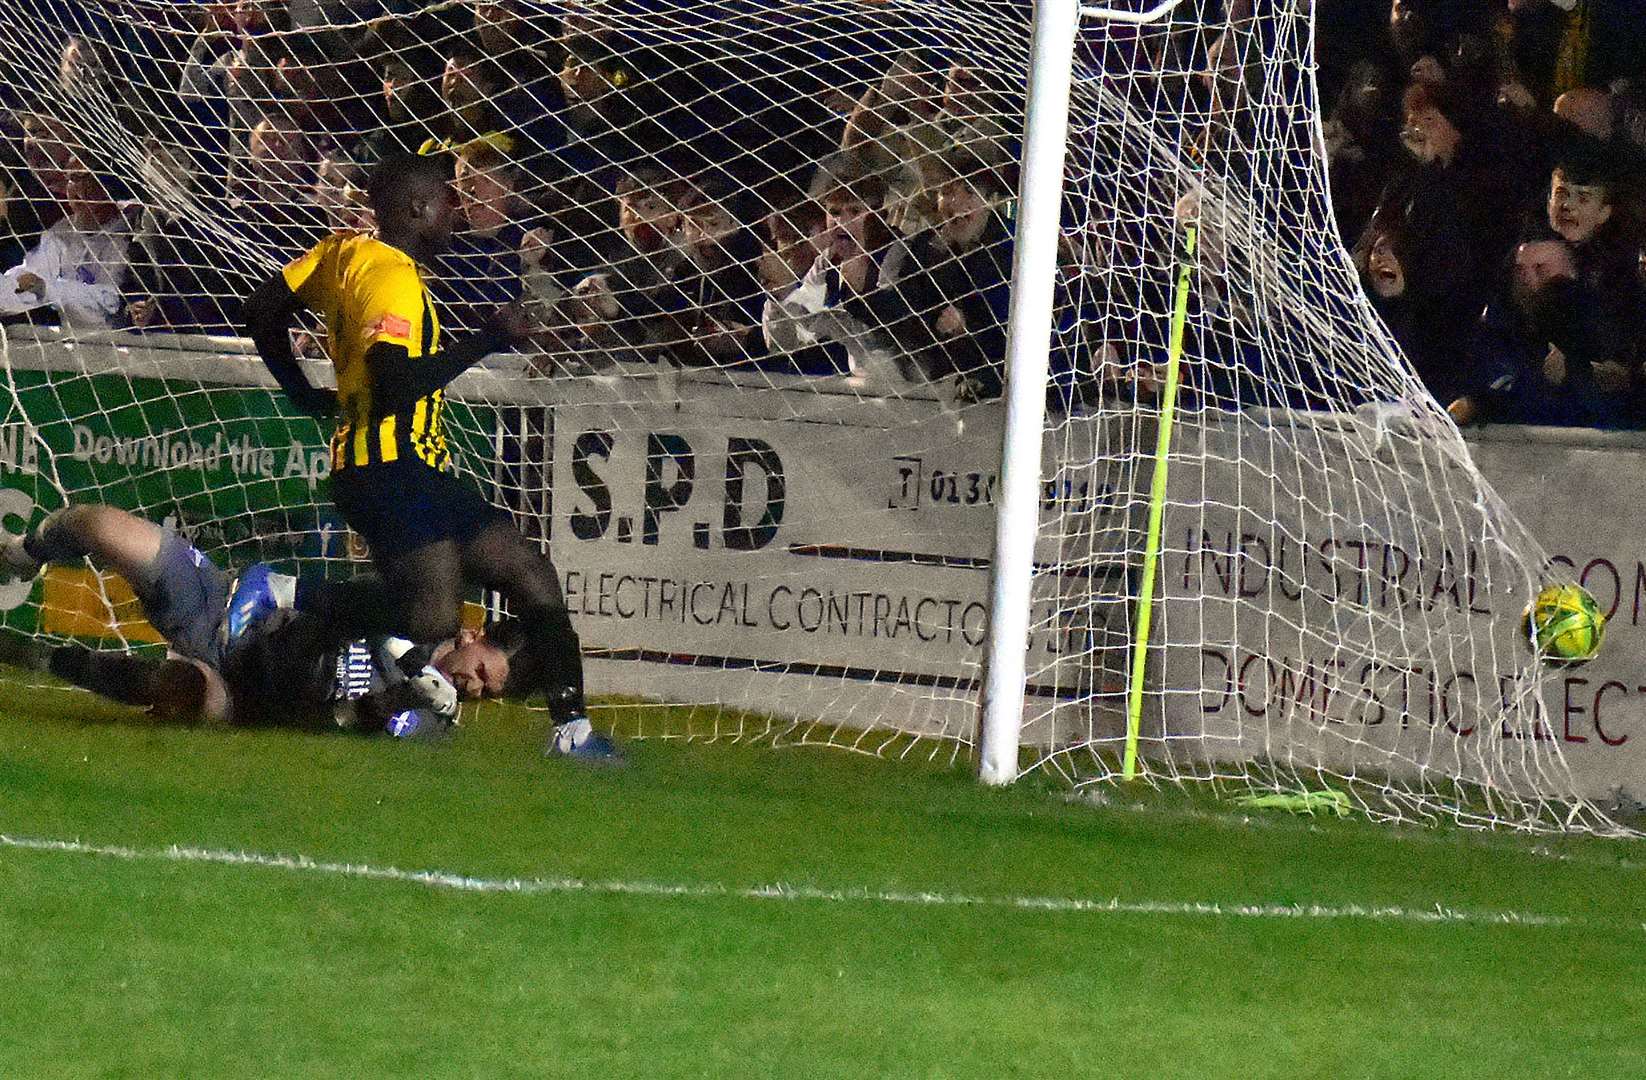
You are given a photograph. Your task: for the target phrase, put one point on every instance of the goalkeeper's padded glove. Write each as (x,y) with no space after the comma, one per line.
(429,689)
(413,686)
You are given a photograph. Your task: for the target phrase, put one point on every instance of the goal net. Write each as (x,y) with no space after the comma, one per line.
(769,248)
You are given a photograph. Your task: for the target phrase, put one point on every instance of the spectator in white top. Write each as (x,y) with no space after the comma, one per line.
(78,267)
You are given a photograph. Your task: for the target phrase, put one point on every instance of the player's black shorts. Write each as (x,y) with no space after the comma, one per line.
(185,600)
(402,506)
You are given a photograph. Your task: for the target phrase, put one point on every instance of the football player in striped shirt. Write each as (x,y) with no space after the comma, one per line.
(431,534)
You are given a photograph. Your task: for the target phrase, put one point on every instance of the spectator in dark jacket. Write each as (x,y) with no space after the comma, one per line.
(1559,45)
(1410,295)
(630,101)
(790,235)
(1589,208)
(1458,197)
(179,282)
(481,269)
(631,306)
(1540,355)
(408,112)
(1362,146)
(721,323)
(970,256)
(867,290)
(1419,28)
(483,101)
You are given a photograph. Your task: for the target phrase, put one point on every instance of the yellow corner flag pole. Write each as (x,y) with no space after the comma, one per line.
(1157,506)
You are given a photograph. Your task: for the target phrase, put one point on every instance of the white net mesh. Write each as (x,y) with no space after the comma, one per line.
(769,248)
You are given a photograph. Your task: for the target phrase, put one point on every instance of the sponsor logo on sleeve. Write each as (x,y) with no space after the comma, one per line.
(390,326)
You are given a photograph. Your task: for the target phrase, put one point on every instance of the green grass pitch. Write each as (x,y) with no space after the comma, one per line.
(154,966)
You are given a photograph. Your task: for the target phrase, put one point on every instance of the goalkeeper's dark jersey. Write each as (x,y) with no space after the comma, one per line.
(287,671)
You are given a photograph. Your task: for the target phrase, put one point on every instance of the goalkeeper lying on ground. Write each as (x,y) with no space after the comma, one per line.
(279,667)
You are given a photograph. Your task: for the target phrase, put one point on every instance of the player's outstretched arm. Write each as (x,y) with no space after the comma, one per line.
(268,315)
(397,382)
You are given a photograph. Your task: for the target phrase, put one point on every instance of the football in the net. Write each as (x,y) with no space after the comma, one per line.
(1565,625)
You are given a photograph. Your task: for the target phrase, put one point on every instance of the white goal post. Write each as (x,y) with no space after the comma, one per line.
(1028,345)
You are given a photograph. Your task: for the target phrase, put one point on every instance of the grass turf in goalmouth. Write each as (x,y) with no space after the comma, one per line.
(212,903)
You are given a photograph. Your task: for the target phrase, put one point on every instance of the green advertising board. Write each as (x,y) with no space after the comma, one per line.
(233,467)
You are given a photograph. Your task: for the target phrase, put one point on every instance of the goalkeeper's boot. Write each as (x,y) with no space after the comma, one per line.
(252,601)
(577,740)
(16,564)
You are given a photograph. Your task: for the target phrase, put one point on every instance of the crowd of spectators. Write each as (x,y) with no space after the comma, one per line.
(827,191)
(1487,160)
(778,189)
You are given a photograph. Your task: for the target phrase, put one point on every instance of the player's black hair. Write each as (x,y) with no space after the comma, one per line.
(525,670)
(399,177)
(546,663)
(178,691)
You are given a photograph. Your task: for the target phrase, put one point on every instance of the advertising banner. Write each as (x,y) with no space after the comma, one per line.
(808,551)
(816,558)
(224,460)
(1316,610)
(1574,490)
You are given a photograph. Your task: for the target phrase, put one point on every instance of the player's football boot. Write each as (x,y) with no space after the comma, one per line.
(16,564)
(577,740)
(252,601)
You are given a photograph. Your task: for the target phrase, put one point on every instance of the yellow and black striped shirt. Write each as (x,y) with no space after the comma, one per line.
(368,292)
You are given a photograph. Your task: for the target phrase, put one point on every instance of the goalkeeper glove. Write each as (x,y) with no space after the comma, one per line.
(429,689)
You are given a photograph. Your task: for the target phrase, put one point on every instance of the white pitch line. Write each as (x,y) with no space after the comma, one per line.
(444,879)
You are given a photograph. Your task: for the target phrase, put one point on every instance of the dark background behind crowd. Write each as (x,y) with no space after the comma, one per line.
(827,188)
